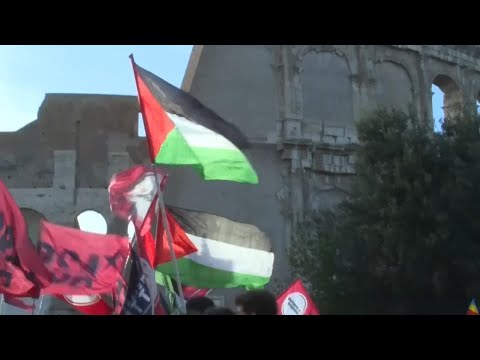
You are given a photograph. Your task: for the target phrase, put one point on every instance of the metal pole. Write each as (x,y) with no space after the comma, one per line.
(39,312)
(160,198)
(2,300)
(155,236)
(163,212)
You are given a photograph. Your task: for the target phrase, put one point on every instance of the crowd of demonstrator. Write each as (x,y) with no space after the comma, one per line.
(255,302)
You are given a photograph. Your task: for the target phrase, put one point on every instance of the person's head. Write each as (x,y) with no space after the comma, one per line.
(256,302)
(197,305)
(214,310)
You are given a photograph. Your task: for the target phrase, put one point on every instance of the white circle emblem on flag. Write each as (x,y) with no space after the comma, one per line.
(82,300)
(294,304)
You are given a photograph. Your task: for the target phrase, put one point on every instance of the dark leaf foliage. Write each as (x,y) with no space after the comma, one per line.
(407,239)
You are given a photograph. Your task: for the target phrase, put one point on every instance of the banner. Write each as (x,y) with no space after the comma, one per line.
(80,262)
(15,245)
(142,288)
(296,301)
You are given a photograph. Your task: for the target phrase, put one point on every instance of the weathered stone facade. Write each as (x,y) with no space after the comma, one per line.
(297,104)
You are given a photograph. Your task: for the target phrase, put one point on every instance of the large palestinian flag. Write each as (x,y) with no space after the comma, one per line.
(182,131)
(230,254)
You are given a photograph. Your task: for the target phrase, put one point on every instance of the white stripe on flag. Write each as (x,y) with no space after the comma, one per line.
(200,136)
(232,258)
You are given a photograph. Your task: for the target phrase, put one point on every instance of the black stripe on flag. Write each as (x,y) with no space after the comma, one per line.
(221,229)
(176,101)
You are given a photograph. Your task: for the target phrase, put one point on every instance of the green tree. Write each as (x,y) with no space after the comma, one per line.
(407,239)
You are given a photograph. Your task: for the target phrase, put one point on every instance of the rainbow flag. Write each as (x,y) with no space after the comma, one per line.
(472,309)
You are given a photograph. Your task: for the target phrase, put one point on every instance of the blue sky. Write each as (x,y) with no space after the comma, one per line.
(437,104)
(28,72)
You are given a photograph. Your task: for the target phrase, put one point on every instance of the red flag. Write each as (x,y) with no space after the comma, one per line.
(189,291)
(182,245)
(80,262)
(131,193)
(145,240)
(296,301)
(87,304)
(15,249)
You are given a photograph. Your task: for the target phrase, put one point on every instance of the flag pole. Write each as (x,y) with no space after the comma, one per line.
(161,204)
(157,205)
(163,213)
(40,305)
(154,173)
(155,236)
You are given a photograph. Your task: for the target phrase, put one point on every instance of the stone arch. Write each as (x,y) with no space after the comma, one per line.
(437,108)
(394,86)
(452,96)
(300,51)
(92,221)
(327,89)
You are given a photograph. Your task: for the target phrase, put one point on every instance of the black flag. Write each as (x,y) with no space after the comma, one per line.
(141,289)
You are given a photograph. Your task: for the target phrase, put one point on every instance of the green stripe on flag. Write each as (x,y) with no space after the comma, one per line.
(200,276)
(166,282)
(211,163)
